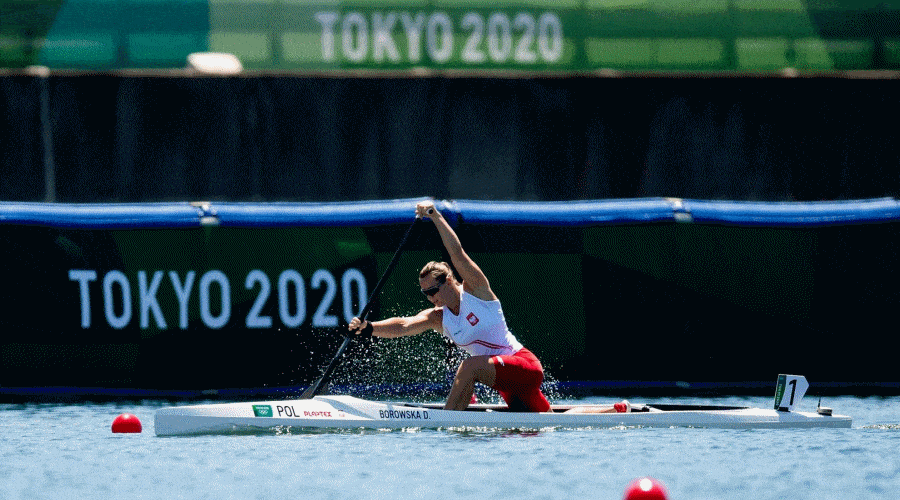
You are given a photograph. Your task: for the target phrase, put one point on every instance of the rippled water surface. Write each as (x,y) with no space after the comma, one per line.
(68,451)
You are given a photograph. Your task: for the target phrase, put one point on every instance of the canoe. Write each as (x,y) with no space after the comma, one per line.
(348,412)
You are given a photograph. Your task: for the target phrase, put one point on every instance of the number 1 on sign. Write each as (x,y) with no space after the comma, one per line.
(798,386)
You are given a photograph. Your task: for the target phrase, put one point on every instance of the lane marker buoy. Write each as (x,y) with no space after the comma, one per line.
(646,488)
(126,423)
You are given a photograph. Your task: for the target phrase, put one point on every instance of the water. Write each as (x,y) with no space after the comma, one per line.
(67,451)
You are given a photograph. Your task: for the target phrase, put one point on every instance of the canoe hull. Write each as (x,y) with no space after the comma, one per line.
(347,412)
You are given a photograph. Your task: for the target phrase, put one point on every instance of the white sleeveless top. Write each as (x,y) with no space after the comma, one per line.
(480,328)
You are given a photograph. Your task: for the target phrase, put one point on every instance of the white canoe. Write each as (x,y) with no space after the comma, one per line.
(348,412)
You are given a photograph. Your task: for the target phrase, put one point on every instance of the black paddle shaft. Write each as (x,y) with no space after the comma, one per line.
(314,389)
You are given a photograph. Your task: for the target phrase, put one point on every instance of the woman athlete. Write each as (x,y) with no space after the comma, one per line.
(468,313)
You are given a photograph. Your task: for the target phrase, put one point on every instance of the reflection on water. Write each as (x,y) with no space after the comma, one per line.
(488,434)
(882,427)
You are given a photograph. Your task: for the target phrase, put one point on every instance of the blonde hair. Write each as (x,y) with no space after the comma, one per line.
(438,270)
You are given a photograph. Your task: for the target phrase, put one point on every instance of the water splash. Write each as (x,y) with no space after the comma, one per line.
(411,367)
(418,368)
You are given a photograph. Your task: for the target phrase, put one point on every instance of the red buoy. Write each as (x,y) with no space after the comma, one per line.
(646,488)
(127,423)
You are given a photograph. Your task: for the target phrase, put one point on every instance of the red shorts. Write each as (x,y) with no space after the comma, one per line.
(519,378)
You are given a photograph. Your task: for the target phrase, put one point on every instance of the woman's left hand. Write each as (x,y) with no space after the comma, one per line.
(427,209)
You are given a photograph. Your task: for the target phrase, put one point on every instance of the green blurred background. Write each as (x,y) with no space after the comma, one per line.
(563,35)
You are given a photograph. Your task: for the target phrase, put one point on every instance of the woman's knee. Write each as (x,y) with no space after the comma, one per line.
(467,367)
(477,368)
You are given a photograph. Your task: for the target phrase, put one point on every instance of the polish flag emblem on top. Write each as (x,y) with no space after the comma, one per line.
(473,320)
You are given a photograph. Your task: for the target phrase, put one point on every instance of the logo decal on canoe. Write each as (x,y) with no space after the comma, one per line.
(473,320)
(262,411)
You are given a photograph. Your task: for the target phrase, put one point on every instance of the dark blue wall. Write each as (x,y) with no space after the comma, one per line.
(293,138)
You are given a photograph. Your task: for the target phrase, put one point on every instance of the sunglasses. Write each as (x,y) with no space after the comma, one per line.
(430,292)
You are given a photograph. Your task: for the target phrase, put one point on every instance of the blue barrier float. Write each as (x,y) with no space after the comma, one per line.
(330,214)
(569,213)
(777,214)
(101,216)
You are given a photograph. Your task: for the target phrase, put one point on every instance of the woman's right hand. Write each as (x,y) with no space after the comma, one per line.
(356,325)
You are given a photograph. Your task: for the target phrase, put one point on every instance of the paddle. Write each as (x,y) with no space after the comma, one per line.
(314,389)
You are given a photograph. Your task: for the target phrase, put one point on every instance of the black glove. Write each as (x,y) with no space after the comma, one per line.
(365,332)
